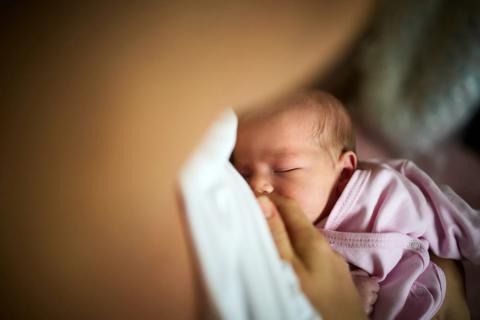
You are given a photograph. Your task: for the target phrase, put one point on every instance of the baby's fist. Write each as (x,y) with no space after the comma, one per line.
(367,288)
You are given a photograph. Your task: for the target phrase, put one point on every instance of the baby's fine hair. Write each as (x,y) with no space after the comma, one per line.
(333,130)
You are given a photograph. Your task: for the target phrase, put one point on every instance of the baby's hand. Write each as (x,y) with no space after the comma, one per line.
(367,287)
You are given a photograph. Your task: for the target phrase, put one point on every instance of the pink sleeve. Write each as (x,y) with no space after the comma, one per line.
(453,230)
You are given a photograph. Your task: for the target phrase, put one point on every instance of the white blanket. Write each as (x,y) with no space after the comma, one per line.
(242,270)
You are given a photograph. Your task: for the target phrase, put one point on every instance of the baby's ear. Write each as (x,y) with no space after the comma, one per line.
(348,160)
(347,164)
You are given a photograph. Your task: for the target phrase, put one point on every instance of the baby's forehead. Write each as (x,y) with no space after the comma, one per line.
(283,133)
(289,118)
(312,117)
(283,128)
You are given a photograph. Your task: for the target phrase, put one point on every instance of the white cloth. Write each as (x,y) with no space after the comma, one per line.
(242,270)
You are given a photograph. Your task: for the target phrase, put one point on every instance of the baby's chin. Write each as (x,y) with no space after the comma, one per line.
(313,217)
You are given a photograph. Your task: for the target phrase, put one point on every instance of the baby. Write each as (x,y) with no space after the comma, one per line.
(382,217)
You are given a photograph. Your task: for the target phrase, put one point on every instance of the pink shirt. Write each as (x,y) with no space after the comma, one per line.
(387,218)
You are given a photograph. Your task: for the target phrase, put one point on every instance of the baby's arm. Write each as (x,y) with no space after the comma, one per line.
(445,220)
(367,288)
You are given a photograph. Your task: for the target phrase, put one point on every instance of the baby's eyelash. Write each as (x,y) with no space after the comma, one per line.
(285,170)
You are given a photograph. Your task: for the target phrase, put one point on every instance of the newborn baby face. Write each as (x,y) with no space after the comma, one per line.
(279,154)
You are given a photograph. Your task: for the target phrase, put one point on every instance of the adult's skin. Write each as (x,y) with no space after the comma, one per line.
(323,274)
(455,304)
(100,105)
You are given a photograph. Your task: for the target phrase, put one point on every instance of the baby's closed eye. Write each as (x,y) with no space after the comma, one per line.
(286,170)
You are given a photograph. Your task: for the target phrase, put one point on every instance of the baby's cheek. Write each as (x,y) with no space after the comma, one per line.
(307,203)
(312,204)
(302,194)
(285,191)
(289,190)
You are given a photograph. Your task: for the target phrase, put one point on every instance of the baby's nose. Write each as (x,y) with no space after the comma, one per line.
(261,185)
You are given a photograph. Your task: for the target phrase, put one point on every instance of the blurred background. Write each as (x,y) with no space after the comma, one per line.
(412,84)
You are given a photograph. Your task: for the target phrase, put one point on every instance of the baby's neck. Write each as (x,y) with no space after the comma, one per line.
(334,196)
